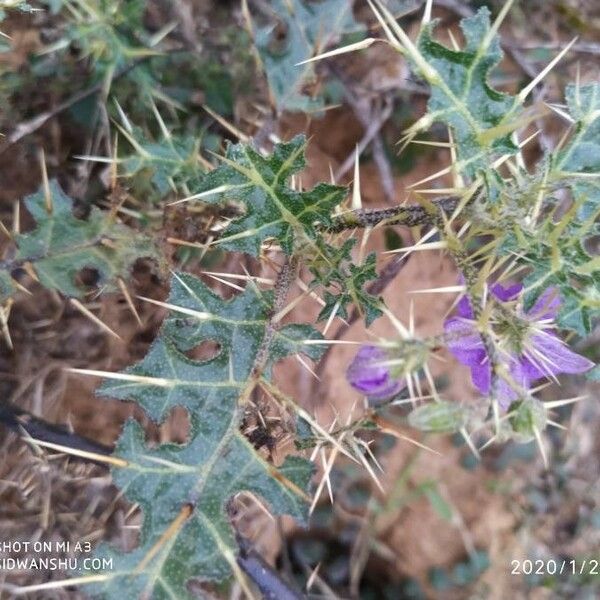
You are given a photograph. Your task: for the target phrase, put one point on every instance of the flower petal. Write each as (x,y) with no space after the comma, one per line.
(464,341)
(546,306)
(463,308)
(505,294)
(481,376)
(552,357)
(506,393)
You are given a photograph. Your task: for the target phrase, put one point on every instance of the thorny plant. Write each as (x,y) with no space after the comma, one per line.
(522,239)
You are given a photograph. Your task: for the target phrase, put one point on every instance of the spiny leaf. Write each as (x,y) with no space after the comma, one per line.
(169,164)
(301,27)
(582,153)
(462,96)
(184,490)
(235,324)
(272,208)
(346,282)
(167,378)
(217,463)
(62,245)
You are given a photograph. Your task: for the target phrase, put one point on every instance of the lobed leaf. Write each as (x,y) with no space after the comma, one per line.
(61,245)
(462,97)
(184,490)
(579,161)
(217,463)
(273,209)
(301,28)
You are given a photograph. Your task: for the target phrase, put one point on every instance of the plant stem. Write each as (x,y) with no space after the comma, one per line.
(408,215)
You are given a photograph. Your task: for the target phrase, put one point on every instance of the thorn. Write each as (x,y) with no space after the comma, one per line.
(242,277)
(171,531)
(218,190)
(388,33)
(332,342)
(356,197)
(110,460)
(404,333)
(367,466)
(130,303)
(312,577)
(226,124)
(496,24)
(163,128)
(124,120)
(5,230)
(439,173)
(201,316)
(453,41)
(28,268)
(4,315)
(454,289)
(227,283)
(46,183)
(113,166)
(427,12)
(331,317)
(562,113)
(142,380)
(307,367)
(540,443)
(431,143)
(178,242)
(92,317)
(286,309)
(470,443)
(419,246)
(342,50)
(310,292)
(528,88)
(57,584)
(557,403)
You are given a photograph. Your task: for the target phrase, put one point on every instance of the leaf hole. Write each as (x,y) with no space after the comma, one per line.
(204,351)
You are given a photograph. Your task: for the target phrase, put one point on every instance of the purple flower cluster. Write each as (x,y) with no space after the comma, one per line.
(526,347)
(529,350)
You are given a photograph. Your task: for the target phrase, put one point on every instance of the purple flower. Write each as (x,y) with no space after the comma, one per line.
(527,348)
(369,374)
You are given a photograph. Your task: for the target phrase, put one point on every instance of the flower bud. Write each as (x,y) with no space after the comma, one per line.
(380,372)
(527,415)
(439,417)
(370,374)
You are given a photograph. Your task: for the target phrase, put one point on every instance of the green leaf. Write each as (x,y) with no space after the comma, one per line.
(217,461)
(62,245)
(169,378)
(461,96)
(272,208)
(169,164)
(581,156)
(346,282)
(234,324)
(300,27)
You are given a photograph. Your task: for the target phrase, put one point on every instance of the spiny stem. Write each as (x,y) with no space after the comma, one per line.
(282,286)
(409,216)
